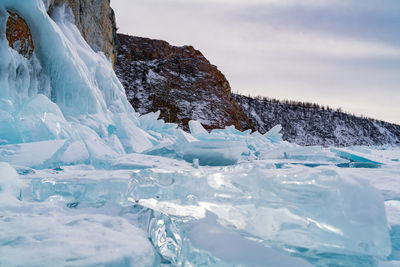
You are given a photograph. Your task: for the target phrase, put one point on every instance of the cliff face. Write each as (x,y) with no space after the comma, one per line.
(178,81)
(94,18)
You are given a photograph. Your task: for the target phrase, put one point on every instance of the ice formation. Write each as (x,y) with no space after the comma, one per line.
(82,169)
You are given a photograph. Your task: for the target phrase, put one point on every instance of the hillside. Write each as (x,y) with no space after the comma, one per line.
(184,86)
(311,124)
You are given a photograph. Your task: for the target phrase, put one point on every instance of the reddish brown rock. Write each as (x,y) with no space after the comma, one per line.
(94,19)
(19,36)
(178,81)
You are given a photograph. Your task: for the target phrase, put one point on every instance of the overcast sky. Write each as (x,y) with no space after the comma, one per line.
(341,53)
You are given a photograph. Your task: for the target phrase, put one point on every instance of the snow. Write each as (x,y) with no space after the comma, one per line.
(85,180)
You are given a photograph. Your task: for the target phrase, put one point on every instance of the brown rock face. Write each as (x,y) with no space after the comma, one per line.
(178,81)
(19,36)
(95,20)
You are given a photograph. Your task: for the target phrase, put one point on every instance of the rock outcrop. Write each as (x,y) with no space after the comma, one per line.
(178,81)
(95,20)
(19,36)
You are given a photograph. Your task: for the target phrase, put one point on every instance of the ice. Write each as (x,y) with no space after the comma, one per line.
(197,130)
(214,153)
(355,157)
(10,184)
(66,91)
(37,154)
(389,264)
(232,247)
(282,216)
(298,208)
(140,161)
(100,185)
(45,236)
(75,153)
(274,134)
(393,214)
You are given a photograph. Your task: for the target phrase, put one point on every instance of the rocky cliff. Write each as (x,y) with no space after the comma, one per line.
(178,81)
(183,85)
(94,18)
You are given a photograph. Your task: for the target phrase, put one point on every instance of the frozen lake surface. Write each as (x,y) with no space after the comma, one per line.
(157,210)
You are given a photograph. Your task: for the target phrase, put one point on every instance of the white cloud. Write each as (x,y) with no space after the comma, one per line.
(267,2)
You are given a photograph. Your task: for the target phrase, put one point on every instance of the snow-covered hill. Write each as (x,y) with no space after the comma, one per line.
(310,124)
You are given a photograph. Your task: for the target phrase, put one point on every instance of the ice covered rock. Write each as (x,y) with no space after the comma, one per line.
(95,21)
(66,91)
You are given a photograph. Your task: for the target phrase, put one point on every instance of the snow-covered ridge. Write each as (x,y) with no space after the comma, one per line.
(314,125)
